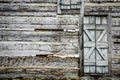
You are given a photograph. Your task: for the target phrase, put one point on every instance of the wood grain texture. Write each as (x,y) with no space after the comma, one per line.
(34,14)
(45,67)
(46,73)
(30,1)
(30,26)
(57,49)
(37,20)
(38,61)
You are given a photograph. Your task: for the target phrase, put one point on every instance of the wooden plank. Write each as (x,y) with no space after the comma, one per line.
(102,1)
(36,36)
(41,46)
(28,4)
(34,52)
(92,26)
(94,9)
(35,48)
(37,20)
(24,7)
(43,43)
(99,44)
(17,29)
(30,61)
(29,1)
(102,4)
(32,46)
(29,36)
(40,30)
(44,73)
(45,26)
(28,20)
(34,14)
(39,67)
(22,52)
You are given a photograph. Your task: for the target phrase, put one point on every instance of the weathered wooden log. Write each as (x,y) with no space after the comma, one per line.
(36,62)
(30,26)
(42,46)
(33,52)
(101,1)
(36,48)
(24,7)
(30,1)
(51,36)
(42,73)
(37,20)
(34,14)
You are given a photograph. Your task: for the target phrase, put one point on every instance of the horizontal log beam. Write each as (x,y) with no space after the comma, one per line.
(27,4)
(102,4)
(38,20)
(34,14)
(29,61)
(102,1)
(29,1)
(30,26)
(39,67)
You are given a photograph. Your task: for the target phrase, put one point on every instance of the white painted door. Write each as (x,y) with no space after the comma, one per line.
(95,44)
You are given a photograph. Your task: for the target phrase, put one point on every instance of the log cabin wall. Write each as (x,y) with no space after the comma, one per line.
(30,28)
(36,41)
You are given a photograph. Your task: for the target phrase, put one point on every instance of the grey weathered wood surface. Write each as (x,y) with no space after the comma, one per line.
(19,21)
(20,18)
(115,31)
(38,61)
(44,73)
(95,44)
(41,1)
